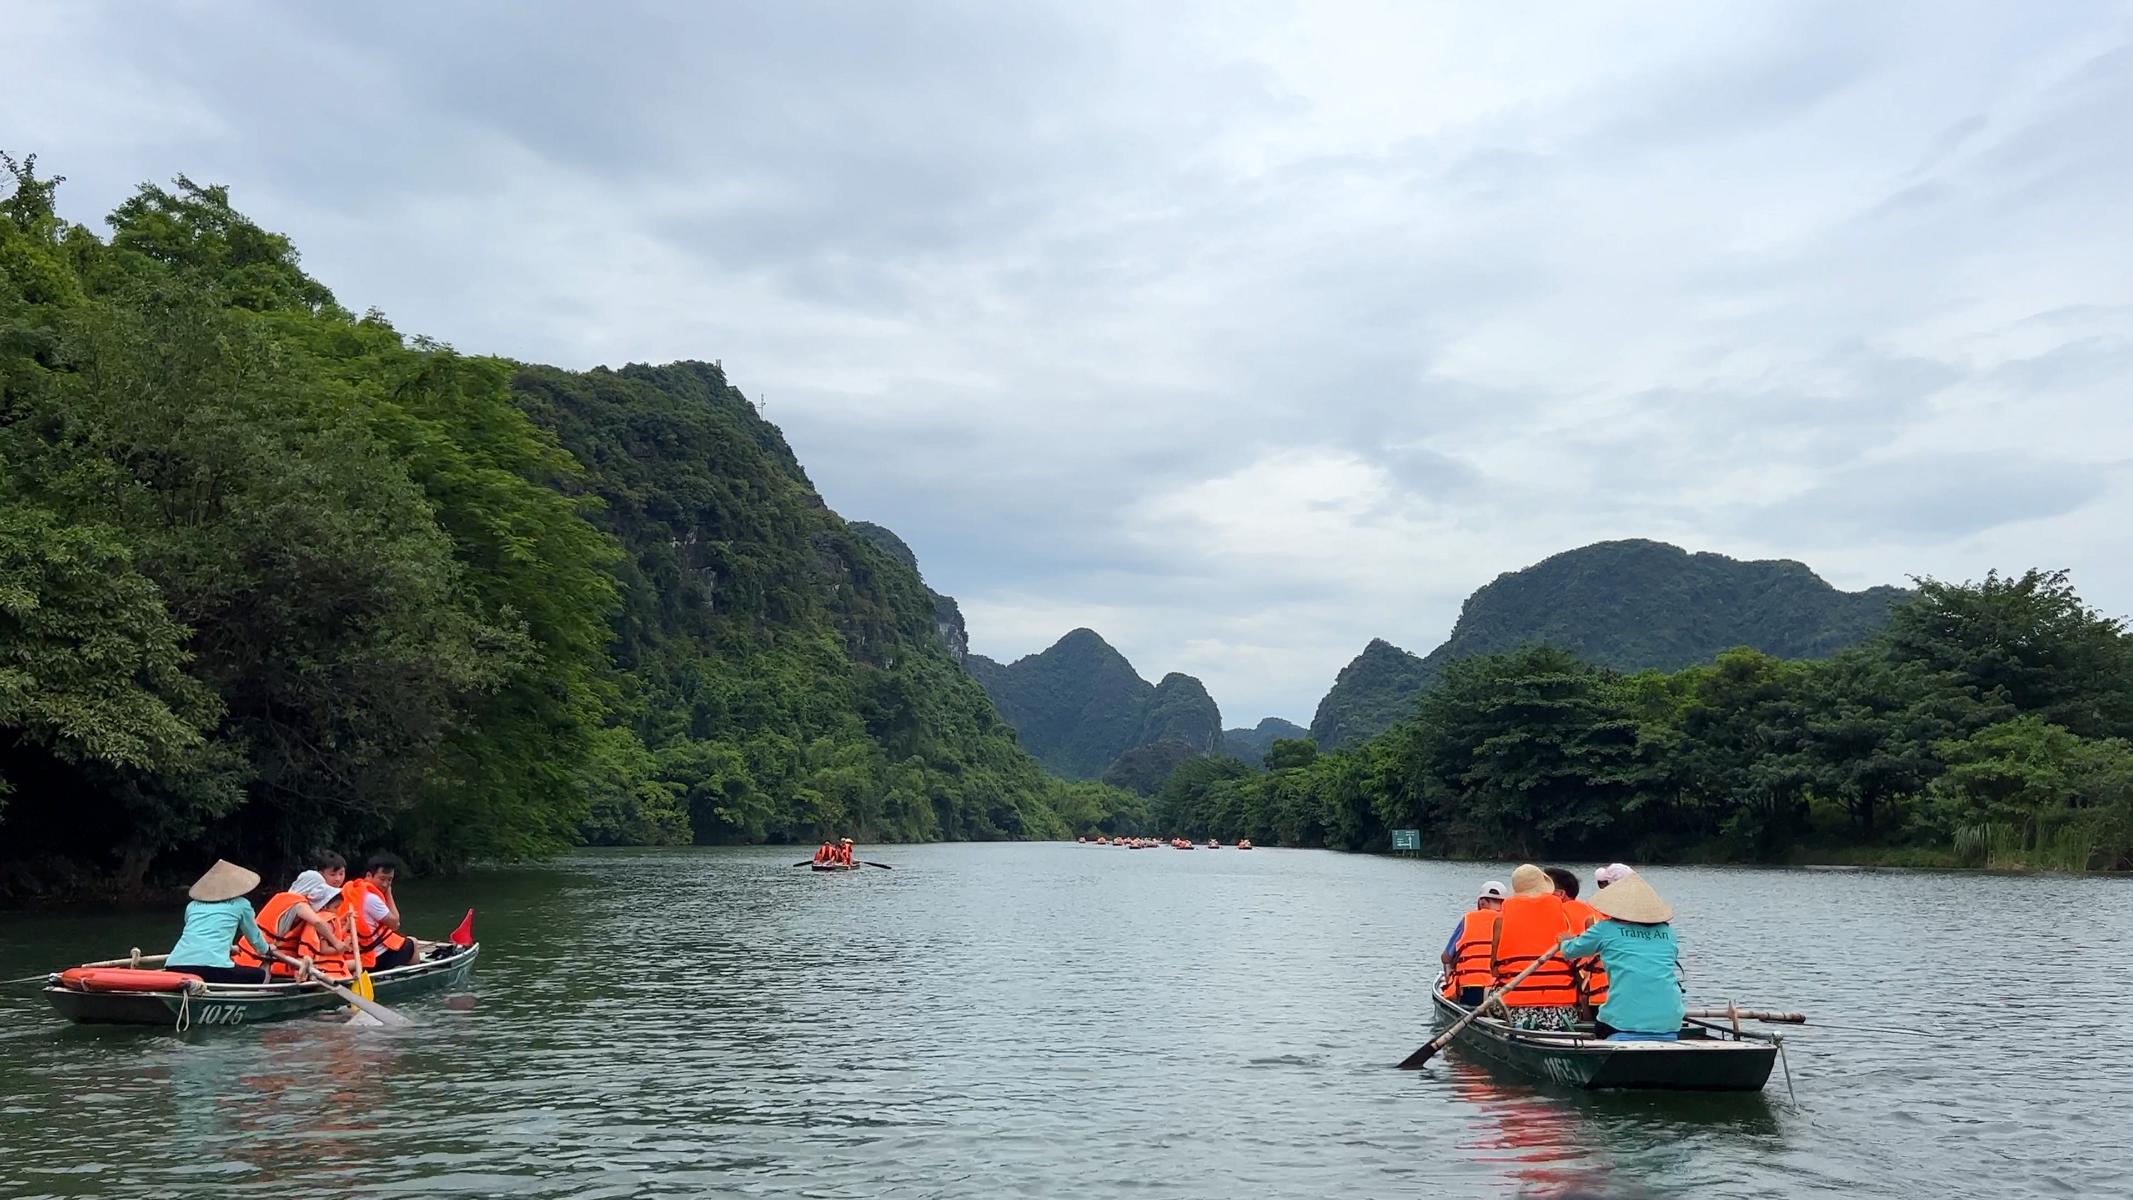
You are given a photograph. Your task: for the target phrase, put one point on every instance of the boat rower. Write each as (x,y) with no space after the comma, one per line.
(844,853)
(218,915)
(1635,942)
(296,922)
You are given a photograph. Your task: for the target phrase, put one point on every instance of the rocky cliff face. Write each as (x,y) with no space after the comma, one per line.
(947,614)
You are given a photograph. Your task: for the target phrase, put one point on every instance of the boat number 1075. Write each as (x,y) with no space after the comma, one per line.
(219,1014)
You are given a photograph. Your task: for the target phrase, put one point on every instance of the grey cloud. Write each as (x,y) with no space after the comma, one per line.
(1012,272)
(1945,496)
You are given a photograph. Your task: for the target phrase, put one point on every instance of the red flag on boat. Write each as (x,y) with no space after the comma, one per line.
(464,935)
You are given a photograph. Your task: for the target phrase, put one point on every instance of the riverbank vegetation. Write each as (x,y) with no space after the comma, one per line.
(1986,725)
(275,576)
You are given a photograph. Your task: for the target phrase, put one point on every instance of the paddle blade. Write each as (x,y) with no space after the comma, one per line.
(464,935)
(362,987)
(1416,1061)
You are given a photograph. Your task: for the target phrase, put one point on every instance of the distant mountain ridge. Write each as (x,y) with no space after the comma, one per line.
(1251,744)
(1628,604)
(1079,705)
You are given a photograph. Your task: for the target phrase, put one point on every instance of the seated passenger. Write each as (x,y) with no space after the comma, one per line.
(1466,955)
(1530,925)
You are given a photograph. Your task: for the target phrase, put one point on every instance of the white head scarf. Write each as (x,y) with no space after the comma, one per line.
(313,887)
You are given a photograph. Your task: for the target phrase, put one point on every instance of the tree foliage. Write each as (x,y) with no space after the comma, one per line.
(274,576)
(1987,723)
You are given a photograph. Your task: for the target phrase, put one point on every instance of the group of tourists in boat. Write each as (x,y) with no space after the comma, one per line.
(323,917)
(1176,843)
(835,856)
(1615,964)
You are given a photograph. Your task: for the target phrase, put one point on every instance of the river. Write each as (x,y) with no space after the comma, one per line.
(1066,1020)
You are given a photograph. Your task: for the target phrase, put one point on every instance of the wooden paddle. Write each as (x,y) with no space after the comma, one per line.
(383,1014)
(1415,1061)
(1748,1014)
(870,862)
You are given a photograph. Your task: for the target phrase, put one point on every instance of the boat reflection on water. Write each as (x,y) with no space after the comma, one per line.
(307,1113)
(1565,1144)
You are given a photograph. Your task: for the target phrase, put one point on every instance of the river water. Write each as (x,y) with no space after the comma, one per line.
(1065,1020)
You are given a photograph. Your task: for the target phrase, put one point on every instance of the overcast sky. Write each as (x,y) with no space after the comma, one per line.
(1240,333)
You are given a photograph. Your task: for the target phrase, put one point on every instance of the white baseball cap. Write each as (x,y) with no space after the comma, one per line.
(1494,890)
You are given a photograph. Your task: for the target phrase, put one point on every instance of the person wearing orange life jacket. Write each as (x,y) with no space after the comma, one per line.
(1466,955)
(295,922)
(844,853)
(1591,973)
(377,916)
(1529,926)
(825,854)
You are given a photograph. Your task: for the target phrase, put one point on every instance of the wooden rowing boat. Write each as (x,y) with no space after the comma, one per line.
(851,866)
(250,1004)
(1709,1057)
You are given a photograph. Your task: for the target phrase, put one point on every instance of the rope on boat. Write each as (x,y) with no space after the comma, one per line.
(185,1009)
(1789,1093)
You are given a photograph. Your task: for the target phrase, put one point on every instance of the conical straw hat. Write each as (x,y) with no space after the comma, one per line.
(1632,899)
(1529,880)
(224,881)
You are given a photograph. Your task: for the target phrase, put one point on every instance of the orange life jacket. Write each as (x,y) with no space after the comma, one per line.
(1470,956)
(301,941)
(1528,927)
(1592,974)
(824,853)
(844,855)
(336,964)
(371,936)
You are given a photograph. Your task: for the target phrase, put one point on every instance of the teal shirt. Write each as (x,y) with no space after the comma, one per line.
(210,931)
(1643,995)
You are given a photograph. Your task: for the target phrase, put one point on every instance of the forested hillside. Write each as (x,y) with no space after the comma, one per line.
(274,576)
(1987,724)
(1629,605)
(1250,745)
(1079,704)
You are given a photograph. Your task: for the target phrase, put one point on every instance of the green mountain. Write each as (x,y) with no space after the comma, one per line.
(1250,745)
(1079,705)
(275,577)
(1629,605)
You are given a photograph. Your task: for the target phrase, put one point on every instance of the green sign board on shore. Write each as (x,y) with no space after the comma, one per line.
(1407,839)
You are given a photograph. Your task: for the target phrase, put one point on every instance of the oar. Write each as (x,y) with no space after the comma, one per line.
(383,1014)
(1748,1014)
(870,862)
(40,978)
(1415,1061)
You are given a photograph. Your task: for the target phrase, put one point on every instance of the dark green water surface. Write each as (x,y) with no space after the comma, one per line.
(1061,1020)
